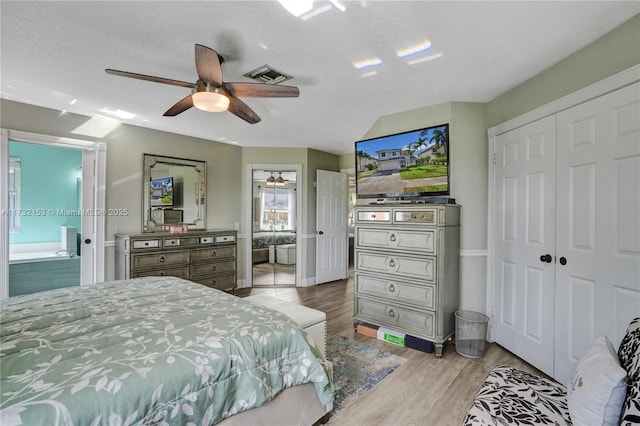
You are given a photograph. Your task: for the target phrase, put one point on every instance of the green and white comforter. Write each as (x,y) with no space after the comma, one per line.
(154,350)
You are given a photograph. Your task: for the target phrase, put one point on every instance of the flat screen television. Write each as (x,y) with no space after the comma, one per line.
(161,192)
(413,164)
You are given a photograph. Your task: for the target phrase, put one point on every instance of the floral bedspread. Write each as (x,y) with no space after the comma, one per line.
(145,351)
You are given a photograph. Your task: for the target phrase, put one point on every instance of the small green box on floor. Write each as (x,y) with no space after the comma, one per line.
(391,336)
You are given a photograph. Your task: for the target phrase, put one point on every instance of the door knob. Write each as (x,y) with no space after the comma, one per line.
(563,260)
(320,232)
(546,258)
(87,241)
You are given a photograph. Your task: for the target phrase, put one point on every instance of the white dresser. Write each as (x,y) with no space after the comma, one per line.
(407,262)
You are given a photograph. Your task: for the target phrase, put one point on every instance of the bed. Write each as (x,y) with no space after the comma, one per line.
(154,350)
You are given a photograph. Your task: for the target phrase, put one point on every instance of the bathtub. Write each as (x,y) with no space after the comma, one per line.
(34,271)
(36,256)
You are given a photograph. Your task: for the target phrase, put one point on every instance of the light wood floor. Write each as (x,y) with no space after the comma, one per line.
(424,391)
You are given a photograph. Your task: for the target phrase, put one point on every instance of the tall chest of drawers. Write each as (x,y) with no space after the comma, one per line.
(407,262)
(205,257)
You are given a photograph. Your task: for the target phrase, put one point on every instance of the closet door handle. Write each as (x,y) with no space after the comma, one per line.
(563,260)
(546,258)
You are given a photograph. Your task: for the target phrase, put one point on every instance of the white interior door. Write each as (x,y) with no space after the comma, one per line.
(598,223)
(331,226)
(525,206)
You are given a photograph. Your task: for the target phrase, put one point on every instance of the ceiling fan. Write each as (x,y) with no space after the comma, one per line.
(211,93)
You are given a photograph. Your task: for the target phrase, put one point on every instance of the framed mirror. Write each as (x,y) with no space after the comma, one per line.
(174,193)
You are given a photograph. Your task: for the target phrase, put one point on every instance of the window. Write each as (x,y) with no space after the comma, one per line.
(277,210)
(14,194)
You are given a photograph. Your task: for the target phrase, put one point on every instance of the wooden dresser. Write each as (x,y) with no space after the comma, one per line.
(406,261)
(205,257)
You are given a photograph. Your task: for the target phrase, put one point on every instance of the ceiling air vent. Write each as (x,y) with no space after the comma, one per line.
(268,75)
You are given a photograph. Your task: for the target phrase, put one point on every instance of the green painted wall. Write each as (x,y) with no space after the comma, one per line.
(616,51)
(48,182)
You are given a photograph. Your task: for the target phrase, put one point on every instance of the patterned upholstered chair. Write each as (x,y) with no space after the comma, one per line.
(510,396)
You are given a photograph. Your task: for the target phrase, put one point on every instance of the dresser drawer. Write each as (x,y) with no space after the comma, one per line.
(422,268)
(423,240)
(422,216)
(378,216)
(394,290)
(414,322)
(199,255)
(222,282)
(208,269)
(153,260)
(226,239)
(144,244)
(180,272)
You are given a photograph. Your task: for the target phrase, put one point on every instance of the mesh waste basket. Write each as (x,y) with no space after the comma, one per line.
(471,332)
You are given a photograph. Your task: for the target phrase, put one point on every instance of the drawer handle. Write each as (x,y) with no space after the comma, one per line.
(214,253)
(213,268)
(392,288)
(161,259)
(392,313)
(392,263)
(392,237)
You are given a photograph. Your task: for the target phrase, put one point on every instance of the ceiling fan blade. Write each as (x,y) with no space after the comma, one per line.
(242,110)
(260,90)
(181,106)
(151,78)
(208,65)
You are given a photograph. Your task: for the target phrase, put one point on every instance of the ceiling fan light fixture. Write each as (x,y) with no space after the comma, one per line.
(210,101)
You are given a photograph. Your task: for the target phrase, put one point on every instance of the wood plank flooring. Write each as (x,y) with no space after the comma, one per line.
(424,391)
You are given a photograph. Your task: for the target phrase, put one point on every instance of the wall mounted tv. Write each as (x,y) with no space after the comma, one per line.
(413,164)
(161,192)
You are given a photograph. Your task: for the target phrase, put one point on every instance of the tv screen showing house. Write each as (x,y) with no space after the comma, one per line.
(404,165)
(161,192)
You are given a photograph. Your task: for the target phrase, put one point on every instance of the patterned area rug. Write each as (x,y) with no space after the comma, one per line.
(357,368)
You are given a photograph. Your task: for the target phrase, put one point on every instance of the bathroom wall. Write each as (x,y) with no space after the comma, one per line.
(48,184)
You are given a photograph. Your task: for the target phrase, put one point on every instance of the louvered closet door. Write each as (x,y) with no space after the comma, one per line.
(525,214)
(598,223)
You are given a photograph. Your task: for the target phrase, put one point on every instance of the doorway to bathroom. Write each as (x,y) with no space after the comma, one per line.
(53,215)
(274,213)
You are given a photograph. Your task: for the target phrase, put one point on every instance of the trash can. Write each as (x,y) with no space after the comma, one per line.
(471,333)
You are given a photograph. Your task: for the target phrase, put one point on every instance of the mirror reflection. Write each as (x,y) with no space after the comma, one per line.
(274,227)
(174,193)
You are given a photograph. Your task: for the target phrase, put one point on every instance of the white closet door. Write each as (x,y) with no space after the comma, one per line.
(598,223)
(525,216)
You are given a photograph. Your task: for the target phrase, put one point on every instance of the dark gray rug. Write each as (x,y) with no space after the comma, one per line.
(357,368)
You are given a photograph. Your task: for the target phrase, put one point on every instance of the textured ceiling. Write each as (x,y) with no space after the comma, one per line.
(53,54)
